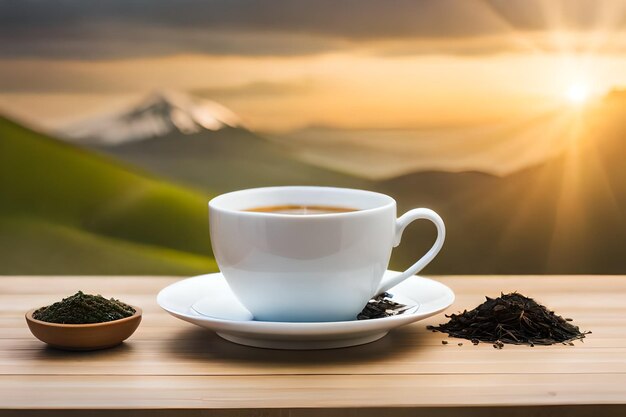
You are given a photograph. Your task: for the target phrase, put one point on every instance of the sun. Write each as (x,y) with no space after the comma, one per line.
(577,93)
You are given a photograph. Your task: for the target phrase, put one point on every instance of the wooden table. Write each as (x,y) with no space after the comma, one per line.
(171,365)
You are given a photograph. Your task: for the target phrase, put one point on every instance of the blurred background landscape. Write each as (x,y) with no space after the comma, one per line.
(120,120)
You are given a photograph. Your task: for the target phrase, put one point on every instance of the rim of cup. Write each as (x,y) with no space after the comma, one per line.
(221,202)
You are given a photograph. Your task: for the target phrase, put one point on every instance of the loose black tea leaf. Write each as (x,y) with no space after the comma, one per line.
(83,308)
(382,306)
(511,318)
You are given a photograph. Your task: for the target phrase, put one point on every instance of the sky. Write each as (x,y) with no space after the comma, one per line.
(284,65)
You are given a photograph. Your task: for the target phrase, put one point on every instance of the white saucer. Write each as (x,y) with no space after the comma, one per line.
(207,301)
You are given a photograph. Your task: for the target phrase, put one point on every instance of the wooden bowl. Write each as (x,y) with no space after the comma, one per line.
(84,336)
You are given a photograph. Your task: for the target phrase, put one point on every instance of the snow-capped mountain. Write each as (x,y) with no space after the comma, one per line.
(157,115)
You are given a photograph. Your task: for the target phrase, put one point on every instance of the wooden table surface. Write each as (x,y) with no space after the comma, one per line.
(172,365)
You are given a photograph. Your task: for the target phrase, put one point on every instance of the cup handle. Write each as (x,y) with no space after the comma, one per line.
(402,222)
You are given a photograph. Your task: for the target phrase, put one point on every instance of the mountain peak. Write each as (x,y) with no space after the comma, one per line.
(158,114)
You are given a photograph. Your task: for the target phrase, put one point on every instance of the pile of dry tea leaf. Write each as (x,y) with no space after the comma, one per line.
(511,318)
(382,306)
(83,308)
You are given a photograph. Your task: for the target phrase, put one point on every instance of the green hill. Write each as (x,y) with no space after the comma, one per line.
(65,210)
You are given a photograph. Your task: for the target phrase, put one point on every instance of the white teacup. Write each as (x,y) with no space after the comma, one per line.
(319,267)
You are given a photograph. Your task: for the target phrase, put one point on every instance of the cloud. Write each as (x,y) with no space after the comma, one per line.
(129,28)
(258,89)
(31,76)
(117,41)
